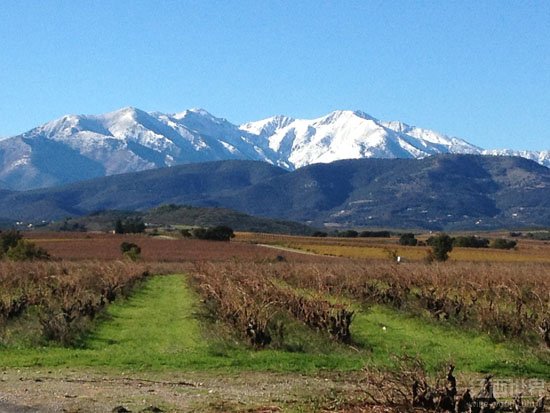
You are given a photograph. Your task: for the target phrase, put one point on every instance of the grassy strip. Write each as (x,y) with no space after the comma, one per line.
(387,331)
(157,329)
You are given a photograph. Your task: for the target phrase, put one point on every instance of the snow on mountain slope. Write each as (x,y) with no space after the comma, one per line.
(542,157)
(348,134)
(80,147)
(126,140)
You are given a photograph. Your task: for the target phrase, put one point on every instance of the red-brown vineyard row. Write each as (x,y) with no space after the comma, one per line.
(251,303)
(502,299)
(510,300)
(66,295)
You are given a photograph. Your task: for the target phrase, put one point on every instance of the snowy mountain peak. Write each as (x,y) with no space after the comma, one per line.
(67,121)
(267,126)
(196,113)
(76,147)
(128,112)
(344,116)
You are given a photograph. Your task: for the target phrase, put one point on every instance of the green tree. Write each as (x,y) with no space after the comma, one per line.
(319,234)
(119,229)
(470,242)
(134,226)
(441,245)
(219,233)
(129,226)
(349,233)
(375,234)
(408,239)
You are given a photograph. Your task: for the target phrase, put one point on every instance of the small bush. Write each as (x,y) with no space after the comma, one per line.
(375,234)
(129,226)
(130,250)
(350,233)
(391,254)
(219,233)
(408,239)
(320,234)
(26,251)
(8,240)
(470,242)
(503,244)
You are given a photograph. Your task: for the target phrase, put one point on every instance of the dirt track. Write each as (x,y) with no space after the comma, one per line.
(73,391)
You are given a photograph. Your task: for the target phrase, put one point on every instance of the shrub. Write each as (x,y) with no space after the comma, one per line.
(321,234)
(441,246)
(503,244)
(408,239)
(199,233)
(72,226)
(129,226)
(130,250)
(375,234)
(219,233)
(26,251)
(9,239)
(470,242)
(350,233)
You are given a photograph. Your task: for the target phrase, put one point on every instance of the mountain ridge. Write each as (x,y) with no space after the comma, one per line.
(80,147)
(446,191)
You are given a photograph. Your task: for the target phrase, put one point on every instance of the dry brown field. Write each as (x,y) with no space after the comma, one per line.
(101,246)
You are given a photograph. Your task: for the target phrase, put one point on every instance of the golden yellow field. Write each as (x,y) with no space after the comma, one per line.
(387,248)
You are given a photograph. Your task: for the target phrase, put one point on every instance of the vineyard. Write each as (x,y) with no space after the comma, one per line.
(77,246)
(487,297)
(60,300)
(386,329)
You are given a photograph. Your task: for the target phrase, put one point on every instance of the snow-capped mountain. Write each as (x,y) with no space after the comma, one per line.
(80,147)
(349,135)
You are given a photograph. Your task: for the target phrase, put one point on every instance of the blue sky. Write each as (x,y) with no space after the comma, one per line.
(477,70)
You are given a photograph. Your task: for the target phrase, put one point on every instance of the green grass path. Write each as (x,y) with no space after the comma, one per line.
(157,329)
(152,329)
(391,332)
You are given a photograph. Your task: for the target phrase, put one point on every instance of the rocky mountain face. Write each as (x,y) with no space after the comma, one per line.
(75,148)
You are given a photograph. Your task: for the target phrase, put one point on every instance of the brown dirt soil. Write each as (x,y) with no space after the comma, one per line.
(31,390)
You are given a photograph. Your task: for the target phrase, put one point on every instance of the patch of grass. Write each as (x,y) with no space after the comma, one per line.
(387,331)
